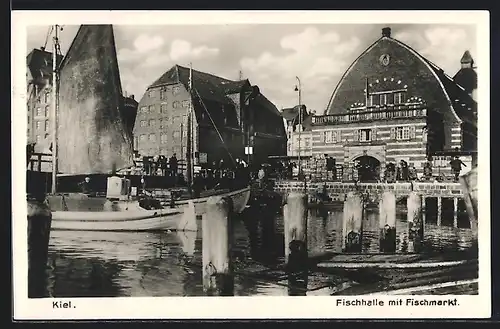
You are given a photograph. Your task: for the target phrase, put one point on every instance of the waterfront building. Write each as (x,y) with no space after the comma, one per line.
(298,128)
(39,97)
(393,104)
(234,112)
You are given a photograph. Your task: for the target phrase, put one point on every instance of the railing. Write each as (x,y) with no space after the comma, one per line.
(385,114)
(37,158)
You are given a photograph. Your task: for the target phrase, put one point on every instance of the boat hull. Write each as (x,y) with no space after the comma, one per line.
(137,220)
(90,214)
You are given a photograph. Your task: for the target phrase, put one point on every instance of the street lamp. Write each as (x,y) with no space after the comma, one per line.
(298,89)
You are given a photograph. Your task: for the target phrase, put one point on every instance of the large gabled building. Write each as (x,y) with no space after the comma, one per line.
(393,104)
(229,116)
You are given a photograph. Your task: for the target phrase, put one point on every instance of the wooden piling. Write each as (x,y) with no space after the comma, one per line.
(439,210)
(352,223)
(218,277)
(39,224)
(414,220)
(424,211)
(188,220)
(387,215)
(295,231)
(455,212)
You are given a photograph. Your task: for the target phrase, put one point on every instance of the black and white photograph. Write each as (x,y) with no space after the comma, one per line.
(330,158)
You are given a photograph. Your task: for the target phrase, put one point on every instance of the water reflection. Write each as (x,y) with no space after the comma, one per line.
(101,264)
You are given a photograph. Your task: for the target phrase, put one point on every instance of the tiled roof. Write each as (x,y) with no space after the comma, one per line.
(292,112)
(39,63)
(211,87)
(458,95)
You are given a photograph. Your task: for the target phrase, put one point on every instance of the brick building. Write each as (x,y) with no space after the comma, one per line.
(393,104)
(241,114)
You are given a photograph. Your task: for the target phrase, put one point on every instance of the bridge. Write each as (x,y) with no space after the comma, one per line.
(434,194)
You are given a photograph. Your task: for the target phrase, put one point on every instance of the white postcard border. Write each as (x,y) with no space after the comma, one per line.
(239,307)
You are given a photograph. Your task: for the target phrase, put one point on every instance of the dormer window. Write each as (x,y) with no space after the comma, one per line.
(371,99)
(383,99)
(399,98)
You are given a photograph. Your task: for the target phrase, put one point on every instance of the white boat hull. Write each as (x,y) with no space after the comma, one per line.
(137,220)
(89,214)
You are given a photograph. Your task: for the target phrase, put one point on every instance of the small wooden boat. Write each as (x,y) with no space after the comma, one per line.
(81,212)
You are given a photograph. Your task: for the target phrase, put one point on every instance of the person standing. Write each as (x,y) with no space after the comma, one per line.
(456,167)
(173,165)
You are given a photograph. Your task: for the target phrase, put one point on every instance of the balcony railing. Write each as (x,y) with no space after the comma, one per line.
(385,114)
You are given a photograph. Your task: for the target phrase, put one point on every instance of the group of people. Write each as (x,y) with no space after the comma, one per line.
(400,172)
(159,165)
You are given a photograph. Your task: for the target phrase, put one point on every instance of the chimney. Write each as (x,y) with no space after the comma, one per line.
(386,32)
(132,96)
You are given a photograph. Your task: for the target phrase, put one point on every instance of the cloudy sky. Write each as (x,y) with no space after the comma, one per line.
(269,55)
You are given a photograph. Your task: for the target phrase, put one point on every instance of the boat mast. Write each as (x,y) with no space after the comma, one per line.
(189,148)
(55,101)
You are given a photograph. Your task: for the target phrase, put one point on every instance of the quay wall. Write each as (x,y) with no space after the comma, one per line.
(338,190)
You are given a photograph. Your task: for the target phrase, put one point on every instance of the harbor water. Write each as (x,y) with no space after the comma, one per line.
(123,264)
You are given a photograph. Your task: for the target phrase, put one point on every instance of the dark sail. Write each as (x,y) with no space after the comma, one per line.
(92,135)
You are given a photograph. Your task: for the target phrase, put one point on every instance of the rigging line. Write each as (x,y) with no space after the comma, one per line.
(49,32)
(216,129)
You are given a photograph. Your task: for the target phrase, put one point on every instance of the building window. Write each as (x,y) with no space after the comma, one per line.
(151,109)
(403,133)
(152,123)
(46,125)
(152,137)
(47,111)
(136,142)
(38,138)
(399,98)
(38,125)
(371,100)
(176,90)
(364,135)
(163,138)
(150,93)
(144,123)
(39,112)
(331,136)
(28,119)
(185,103)
(177,134)
(307,142)
(163,94)
(163,108)
(144,109)
(142,138)
(46,97)
(176,104)
(383,99)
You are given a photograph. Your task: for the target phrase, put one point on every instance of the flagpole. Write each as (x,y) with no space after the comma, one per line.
(367,94)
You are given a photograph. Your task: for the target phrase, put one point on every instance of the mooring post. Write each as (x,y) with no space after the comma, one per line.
(352,223)
(414,219)
(218,277)
(387,215)
(295,230)
(39,223)
(439,210)
(455,212)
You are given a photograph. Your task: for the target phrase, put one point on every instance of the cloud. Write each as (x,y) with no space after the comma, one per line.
(180,49)
(442,45)
(145,43)
(318,59)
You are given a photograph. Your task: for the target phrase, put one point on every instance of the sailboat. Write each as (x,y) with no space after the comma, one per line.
(92,89)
